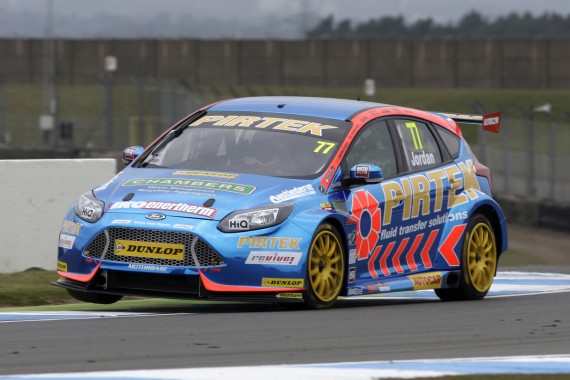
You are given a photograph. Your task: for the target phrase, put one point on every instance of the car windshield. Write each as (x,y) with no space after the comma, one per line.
(269,151)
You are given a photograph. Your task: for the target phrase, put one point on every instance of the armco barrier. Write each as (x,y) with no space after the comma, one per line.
(35,196)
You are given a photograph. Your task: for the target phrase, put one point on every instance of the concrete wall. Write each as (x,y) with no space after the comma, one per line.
(533,64)
(35,196)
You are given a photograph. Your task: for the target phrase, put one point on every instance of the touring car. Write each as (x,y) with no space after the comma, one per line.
(290,199)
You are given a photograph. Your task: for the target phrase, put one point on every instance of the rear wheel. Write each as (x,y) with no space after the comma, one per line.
(478,262)
(99,298)
(325,268)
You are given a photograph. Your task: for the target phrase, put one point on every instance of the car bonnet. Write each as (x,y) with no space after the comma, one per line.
(197,194)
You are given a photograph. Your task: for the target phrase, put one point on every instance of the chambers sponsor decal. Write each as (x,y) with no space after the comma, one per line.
(282,282)
(426,281)
(296,192)
(149,250)
(186,208)
(197,184)
(66,241)
(273,258)
(198,173)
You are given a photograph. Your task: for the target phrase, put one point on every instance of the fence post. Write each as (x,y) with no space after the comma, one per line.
(505,149)
(530,190)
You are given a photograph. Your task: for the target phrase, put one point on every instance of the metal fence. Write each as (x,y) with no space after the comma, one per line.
(531,154)
(529,157)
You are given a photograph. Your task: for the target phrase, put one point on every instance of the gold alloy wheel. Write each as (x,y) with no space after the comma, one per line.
(481,257)
(326,266)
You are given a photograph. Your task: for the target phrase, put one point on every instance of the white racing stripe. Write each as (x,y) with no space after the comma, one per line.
(402,369)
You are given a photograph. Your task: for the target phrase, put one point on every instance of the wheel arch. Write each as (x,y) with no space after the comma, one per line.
(494,218)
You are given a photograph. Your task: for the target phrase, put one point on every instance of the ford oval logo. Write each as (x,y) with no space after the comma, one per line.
(155,216)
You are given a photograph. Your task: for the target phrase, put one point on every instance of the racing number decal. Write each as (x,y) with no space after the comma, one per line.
(323,144)
(415,135)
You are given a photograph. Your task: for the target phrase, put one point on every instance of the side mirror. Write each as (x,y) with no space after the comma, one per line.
(363,174)
(131,153)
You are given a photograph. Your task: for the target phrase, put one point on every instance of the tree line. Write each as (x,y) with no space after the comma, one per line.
(471,25)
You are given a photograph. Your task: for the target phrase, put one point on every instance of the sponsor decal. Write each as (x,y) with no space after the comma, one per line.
(327,206)
(426,281)
(352,256)
(155,216)
(383,288)
(351,237)
(422,158)
(274,258)
(147,267)
(362,171)
(352,275)
(264,242)
(492,122)
(61,266)
(296,192)
(275,123)
(182,226)
(238,224)
(186,208)
(149,250)
(282,282)
(71,227)
(371,288)
(148,223)
(66,241)
(191,183)
(290,295)
(87,212)
(411,196)
(199,173)
(366,210)
(121,221)
(357,291)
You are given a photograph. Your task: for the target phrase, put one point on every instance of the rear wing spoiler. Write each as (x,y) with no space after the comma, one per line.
(491,122)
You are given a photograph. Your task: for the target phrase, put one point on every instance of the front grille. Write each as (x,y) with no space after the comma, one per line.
(102,247)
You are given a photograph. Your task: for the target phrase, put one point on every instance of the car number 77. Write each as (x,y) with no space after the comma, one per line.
(323,144)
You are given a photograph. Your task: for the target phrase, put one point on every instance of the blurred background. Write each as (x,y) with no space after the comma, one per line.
(80,78)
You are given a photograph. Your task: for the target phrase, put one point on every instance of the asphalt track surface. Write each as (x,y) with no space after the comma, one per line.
(248,334)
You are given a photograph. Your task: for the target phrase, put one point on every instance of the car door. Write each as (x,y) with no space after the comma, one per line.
(395,228)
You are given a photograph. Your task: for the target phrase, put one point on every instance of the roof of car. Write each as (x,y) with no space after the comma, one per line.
(339,109)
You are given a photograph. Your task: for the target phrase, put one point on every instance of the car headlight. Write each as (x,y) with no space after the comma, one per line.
(254,219)
(89,208)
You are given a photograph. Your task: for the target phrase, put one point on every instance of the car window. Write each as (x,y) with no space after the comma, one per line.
(274,146)
(451,141)
(420,147)
(373,145)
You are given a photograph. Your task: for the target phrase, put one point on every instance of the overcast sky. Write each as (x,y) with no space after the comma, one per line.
(240,18)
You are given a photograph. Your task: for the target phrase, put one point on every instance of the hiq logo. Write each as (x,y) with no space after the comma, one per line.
(238,224)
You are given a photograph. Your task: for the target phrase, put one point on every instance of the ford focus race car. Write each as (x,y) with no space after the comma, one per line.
(290,199)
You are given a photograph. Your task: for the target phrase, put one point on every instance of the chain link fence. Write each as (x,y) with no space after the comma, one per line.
(531,154)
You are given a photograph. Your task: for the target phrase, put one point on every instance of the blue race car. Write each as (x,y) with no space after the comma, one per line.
(290,199)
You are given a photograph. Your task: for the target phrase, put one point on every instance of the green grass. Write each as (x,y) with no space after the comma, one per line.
(161,105)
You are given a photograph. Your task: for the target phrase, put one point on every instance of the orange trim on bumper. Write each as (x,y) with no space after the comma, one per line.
(79,277)
(215,287)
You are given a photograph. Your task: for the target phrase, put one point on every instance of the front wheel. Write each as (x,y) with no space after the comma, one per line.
(478,262)
(99,298)
(325,268)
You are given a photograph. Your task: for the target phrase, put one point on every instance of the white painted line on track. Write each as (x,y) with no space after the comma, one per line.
(506,284)
(402,369)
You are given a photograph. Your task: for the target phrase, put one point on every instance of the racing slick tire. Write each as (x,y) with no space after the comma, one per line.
(478,262)
(325,268)
(104,299)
